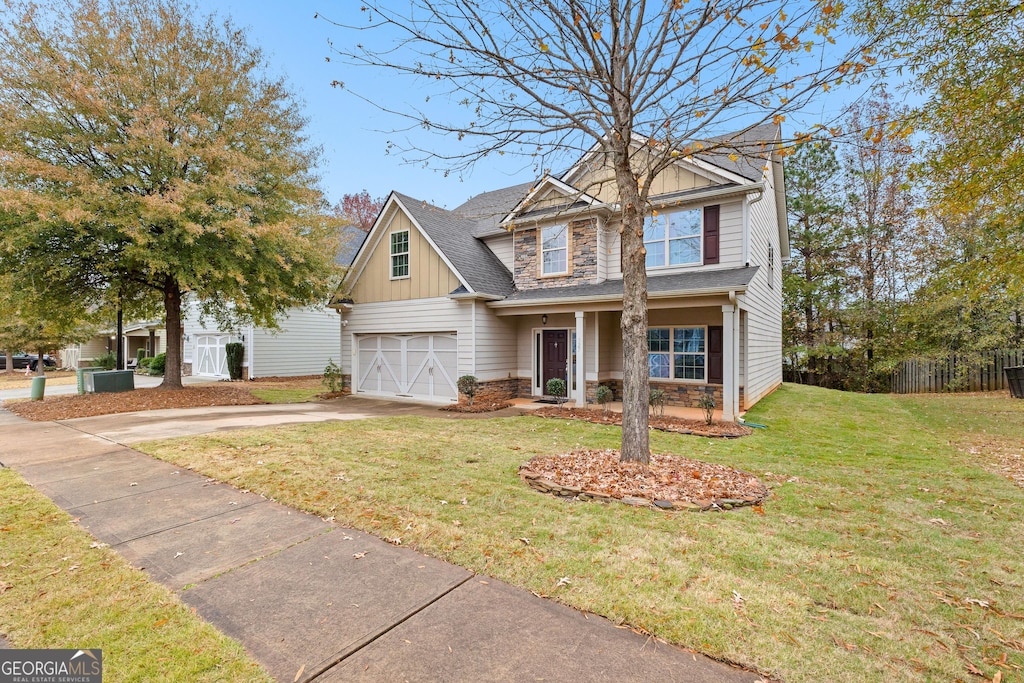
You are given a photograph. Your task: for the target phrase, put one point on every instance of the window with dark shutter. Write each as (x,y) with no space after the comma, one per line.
(711,234)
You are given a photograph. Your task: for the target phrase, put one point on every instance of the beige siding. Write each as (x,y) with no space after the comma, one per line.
(428,277)
(501,246)
(495,344)
(599,182)
(763,304)
(307,340)
(94,348)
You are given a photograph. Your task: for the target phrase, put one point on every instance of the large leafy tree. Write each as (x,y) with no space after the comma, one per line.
(967,66)
(814,279)
(641,83)
(146,152)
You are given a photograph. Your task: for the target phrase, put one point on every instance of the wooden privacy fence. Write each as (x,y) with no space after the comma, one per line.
(982,371)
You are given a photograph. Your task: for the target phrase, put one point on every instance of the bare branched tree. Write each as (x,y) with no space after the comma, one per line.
(640,84)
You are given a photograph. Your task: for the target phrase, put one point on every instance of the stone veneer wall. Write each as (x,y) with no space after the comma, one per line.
(683,395)
(583,260)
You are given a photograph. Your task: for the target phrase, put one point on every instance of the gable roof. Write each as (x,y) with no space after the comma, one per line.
(488,208)
(474,263)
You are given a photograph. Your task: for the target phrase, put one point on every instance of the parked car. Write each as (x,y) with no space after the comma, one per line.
(24,360)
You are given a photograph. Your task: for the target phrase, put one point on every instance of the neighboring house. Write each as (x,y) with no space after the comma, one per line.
(307,340)
(504,286)
(147,335)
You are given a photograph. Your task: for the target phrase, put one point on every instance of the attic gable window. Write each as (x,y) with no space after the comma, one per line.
(673,239)
(399,255)
(554,248)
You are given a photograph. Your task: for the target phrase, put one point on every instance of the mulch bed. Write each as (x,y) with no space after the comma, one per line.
(678,425)
(477,407)
(668,482)
(91,405)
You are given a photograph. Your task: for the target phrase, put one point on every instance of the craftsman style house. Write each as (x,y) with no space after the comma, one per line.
(523,284)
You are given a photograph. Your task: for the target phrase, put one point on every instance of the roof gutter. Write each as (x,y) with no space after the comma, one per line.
(599,298)
(700,197)
(475,296)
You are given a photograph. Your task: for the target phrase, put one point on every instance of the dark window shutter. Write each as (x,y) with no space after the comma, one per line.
(715,355)
(711,239)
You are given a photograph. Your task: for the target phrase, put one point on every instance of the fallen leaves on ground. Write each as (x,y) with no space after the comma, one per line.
(1001,456)
(478,407)
(668,477)
(665,423)
(91,405)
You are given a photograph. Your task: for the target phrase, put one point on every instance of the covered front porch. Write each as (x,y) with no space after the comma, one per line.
(695,346)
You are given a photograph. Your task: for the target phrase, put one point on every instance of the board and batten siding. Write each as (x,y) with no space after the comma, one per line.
(599,181)
(307,339)
(429,276)
(762,362)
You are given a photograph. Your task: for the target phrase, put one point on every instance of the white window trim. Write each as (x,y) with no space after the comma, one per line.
(671,354)
(392,254)
(665,240)
(541,250)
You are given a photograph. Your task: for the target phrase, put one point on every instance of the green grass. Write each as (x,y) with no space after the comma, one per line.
(58,592)
(884,553)
(290,395)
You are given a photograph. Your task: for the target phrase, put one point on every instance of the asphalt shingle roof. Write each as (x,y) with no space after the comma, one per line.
(488,208)
(751,146)
(695,280)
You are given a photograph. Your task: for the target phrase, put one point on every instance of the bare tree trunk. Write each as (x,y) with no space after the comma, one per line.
(9,367)
(40,365)
(172,316)
(635,369)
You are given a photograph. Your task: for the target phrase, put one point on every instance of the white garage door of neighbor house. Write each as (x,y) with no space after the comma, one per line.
(423,366)
(211,357)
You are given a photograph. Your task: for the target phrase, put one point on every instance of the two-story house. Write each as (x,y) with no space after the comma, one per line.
(523,284)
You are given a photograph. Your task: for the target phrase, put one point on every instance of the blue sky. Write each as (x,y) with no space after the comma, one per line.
(350,130)
(355,157)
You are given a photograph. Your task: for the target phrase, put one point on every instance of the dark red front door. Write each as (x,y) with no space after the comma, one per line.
(556,354)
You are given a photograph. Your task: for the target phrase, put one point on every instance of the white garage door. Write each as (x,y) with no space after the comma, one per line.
(211,358)
(422,366)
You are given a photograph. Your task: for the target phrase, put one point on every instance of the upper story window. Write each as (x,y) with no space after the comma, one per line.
(673,239)
(554,250)
(399,254)
(677,353)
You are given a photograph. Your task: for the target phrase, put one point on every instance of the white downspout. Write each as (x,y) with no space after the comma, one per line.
(581,368)
(746,225)
(248,352)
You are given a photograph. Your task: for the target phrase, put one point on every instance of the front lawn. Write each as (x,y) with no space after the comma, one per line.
(885,553)
(60,589)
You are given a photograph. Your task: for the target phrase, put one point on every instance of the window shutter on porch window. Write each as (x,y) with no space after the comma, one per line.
(711,238)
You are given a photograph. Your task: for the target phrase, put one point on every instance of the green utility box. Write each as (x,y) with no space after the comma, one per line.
(38,388)
(82,372)
(110,381)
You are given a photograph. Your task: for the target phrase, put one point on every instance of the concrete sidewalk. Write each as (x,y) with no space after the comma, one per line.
(311,600)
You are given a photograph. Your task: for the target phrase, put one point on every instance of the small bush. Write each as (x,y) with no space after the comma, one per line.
(656,402)
(139,355)
(157,364)
(333,379)
(556,387)
(468,385)
(107,361)
(144,362)
(604,396)
(234,352)
(707,403)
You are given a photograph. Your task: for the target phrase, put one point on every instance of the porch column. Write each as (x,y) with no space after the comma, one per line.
(581,366)
(728,364)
